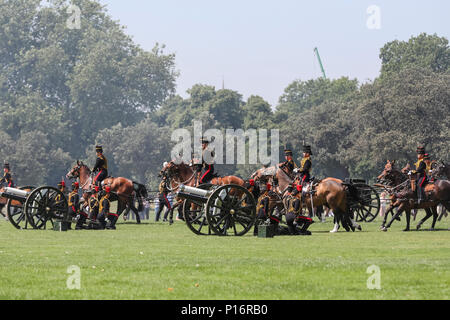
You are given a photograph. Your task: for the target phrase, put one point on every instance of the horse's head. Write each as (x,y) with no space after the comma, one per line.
(75,172)
(388,172)
(169,170)
(439,169)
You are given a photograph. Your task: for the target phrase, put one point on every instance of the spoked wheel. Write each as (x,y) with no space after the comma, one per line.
(194,214)
(43,205)
(369,203)
(231,211)
(15,212)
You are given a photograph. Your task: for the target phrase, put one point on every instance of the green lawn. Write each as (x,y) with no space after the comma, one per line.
(158,261)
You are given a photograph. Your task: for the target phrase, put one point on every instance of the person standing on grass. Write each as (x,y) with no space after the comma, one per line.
(163,201)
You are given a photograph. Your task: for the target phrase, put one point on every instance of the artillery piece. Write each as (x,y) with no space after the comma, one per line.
(228,210)
(35,206)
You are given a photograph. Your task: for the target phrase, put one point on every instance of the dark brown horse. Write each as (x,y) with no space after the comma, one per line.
(124,189)
(404,197)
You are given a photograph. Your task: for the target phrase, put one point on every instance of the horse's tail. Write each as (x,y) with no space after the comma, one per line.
(141,194)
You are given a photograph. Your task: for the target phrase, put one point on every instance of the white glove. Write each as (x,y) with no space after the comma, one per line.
(296,170)
(410,173)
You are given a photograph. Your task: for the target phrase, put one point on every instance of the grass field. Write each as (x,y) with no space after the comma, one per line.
(158,261)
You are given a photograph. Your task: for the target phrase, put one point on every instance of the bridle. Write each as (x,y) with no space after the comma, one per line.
(171,176)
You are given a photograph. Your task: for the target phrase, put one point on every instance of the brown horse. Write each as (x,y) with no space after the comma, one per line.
(403,196)
(124,189)
(183,174)
(330,193)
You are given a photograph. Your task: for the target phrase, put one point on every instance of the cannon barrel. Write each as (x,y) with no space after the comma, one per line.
(15,194)
(192,197)
(194,191)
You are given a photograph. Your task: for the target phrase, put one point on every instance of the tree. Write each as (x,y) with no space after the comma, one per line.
(425,51)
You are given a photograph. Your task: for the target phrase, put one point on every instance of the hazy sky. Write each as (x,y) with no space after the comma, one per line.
(261,46)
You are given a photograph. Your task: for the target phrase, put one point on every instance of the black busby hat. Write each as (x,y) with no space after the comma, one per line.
(99,148)
(5,165)
(420,150)
(204,140)
(288,150)
(307,149)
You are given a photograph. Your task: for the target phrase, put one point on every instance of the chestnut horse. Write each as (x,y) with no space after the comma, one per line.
(183,174)
(330,193)
(404,198)
(124,189)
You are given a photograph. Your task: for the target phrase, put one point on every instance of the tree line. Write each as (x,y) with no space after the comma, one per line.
(62,91)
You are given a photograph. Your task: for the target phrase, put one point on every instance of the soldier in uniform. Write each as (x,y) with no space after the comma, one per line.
(289,163)
(7,178)
(263,209)
(306,165)
(421,172)
(293,205)
(207,162)
(101,166)
(163,201)
(104,212)
(74,207)
(93,204)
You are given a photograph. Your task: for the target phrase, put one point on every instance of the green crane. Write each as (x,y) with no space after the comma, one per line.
(320,62)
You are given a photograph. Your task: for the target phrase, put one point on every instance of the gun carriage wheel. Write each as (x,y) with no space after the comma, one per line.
(44,205)
(368,204)
(195,215)
(15,213)
(231,210)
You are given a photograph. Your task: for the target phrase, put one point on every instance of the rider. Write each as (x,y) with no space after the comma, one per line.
(101,165)
(421,173)
(105,205)
(7,176)
(306,165)
(207,162)
(289,163)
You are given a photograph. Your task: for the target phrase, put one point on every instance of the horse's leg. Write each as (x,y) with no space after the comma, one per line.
(435,217)
(399,212)
(386,216)
(135,211)
(427,216)
(408,220)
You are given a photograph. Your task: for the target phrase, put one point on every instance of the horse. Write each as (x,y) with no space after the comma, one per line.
(176,175)
(404,199)
(124,189)
(440,170)
(330,193)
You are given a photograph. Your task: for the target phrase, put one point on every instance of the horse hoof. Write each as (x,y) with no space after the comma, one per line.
(384,229)
(418,227)
(359,228)
(406,230)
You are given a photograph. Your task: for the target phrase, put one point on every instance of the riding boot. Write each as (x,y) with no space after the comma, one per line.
(113,220)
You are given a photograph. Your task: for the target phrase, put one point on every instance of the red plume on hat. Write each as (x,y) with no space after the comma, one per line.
(97,188)
(269,186)
(108,189)
(299,187)
(252,182)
